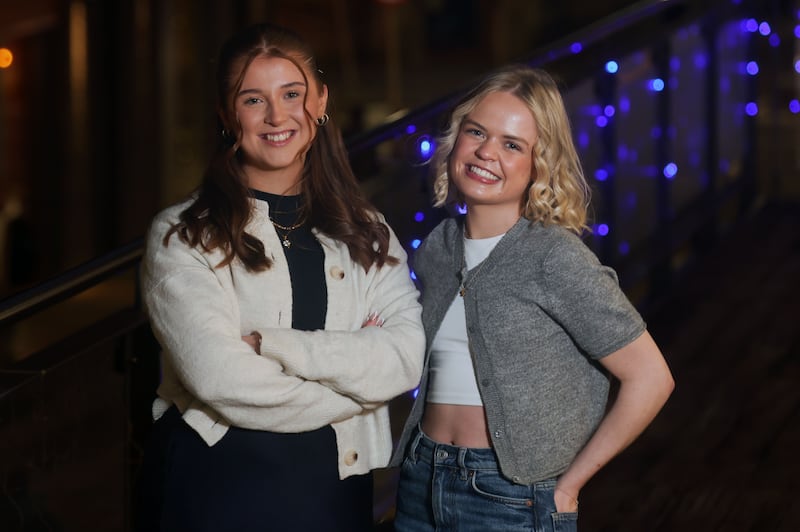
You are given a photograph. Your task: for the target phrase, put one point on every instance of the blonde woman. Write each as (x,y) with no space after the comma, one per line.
(524,328)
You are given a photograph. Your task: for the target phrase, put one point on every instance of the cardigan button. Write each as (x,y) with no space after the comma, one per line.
(498,433)
(337,273)
(350,458)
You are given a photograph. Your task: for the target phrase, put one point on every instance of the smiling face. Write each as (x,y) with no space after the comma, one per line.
(491,164)
(275,108)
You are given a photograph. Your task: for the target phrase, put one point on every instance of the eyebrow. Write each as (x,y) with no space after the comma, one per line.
(284,86)
(518,140)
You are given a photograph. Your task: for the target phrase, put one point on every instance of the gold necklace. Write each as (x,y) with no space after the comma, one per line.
(285,237)
(462,289)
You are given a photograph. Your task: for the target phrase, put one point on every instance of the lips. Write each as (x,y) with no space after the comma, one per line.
(277,138)
(482,174)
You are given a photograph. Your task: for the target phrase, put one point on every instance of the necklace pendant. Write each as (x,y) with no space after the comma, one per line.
(286,242)
(462,290)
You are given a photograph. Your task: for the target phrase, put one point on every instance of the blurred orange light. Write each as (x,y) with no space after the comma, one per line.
(6,58)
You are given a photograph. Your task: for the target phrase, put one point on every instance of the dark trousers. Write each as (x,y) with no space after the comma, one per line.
(248,481)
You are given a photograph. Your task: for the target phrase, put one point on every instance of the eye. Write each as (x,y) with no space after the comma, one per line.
(251,101)
(512,146)
(292,94)
(474,132)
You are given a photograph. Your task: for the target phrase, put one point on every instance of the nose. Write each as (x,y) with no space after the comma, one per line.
(486,151)
(274,114)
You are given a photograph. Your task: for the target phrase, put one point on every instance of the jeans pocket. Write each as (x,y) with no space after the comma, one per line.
(492,486)
(565,522)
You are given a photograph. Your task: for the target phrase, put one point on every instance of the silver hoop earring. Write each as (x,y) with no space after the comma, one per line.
(321,121)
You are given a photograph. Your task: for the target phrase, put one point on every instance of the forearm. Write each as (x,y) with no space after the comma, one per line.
(635,407)
(645,385)
(370,365)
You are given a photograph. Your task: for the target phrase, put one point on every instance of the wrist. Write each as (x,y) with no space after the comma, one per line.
(573,498)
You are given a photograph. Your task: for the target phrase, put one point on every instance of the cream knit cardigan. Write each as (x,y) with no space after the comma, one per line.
(342,376)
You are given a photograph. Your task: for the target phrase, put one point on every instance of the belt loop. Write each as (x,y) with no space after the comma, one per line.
(412,449)
(462,462)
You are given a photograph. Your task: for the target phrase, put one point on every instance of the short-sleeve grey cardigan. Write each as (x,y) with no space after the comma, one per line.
(540,310)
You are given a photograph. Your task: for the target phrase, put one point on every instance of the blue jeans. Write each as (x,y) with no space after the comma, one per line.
(445,488)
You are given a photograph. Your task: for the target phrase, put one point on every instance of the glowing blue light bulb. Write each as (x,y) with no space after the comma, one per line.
(602,229)
(656,85)
(612,67)
(752,68)
(425,147)
(751,108)
(419,216)
(670,170)
(576,47)
(415,243)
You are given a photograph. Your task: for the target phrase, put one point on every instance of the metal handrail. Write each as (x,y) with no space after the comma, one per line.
(70,283)
(94,271)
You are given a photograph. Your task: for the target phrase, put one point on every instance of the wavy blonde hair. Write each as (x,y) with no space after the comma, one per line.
(559,193)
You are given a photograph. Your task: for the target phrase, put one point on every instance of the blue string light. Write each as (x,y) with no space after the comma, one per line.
(425,147)
(656,85)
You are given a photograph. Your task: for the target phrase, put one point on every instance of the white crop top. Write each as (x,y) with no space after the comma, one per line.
(452,375)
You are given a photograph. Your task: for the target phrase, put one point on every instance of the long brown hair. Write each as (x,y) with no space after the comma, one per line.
(333,200)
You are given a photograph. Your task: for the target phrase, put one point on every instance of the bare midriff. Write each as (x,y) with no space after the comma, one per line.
(460,425)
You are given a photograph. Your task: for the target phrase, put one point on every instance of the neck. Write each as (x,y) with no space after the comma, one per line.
(486,223)
(286,183)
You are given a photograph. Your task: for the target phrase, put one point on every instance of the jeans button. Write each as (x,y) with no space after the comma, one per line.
(441,454)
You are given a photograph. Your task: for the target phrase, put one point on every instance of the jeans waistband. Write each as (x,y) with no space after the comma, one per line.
(425,449)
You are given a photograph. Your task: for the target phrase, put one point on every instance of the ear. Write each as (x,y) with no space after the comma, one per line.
(225,120)
(322,103)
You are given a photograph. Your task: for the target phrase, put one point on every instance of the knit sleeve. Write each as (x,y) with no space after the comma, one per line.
(196,320)
(371,364)
(585,297)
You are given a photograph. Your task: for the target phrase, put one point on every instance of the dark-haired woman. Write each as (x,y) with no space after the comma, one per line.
(287,318)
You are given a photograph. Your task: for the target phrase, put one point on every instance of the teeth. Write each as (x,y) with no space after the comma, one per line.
(483,173)
(280,137)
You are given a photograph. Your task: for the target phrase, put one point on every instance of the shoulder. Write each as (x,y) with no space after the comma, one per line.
(160,226)
(169,216)
(556,246)
(444,234)
(434,256)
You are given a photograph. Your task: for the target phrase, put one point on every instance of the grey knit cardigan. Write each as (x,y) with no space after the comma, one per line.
(540,310)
